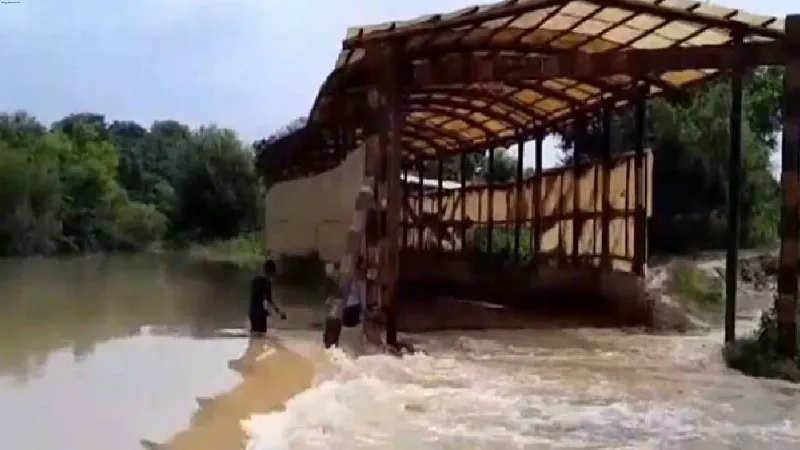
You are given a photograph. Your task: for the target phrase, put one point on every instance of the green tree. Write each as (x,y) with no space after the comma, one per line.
(690,141)
(217,194)
(86,185)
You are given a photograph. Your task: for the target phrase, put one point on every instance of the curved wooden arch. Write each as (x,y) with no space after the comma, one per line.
(450,105)
(488,97)
(445,110)
(410,151)
(413,132)
(450,109)
(459,140)
(437,23)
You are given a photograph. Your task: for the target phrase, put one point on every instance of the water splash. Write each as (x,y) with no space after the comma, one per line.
(527,390)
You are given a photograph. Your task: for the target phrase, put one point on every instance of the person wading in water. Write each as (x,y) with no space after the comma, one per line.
(357,298)
(261,298)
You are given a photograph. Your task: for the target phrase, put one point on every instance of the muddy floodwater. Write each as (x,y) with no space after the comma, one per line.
(99,353)
(111,353)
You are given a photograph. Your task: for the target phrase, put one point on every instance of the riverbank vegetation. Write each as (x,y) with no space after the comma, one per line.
(756,355)
(83,184)
(698,292)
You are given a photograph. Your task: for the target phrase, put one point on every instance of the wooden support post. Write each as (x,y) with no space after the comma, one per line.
(374,237)
(361,226)
(579,150)
(490,203)
(404,210)
(463,176)
(638,163)
(439,200)
(605,252)
(420,205)
(538,199)
(394,201)
(786,302)
(734,201)
(518,202)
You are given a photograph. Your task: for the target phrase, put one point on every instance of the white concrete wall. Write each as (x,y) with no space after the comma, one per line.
(314,213)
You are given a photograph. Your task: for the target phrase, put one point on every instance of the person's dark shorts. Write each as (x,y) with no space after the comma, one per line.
(351,316)
(258,323)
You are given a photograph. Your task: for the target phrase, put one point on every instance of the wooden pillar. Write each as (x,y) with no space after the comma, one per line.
(403,208)
(519,203)
(342,280)
(605,232)
(394,158)
(420,204)
(786,302)
(463,176)
(538,200)
(579,149)
(439,200)
(734,201)
(363,225)
(639,246)
(490,203)
(374,168)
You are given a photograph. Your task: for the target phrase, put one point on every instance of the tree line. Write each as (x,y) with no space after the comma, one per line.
(83,184)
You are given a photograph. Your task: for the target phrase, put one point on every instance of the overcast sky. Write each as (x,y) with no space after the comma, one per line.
(251,65)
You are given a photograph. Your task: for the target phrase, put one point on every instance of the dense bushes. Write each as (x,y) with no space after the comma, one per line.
(85,185)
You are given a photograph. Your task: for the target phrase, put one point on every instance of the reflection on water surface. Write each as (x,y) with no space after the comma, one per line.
(105,351)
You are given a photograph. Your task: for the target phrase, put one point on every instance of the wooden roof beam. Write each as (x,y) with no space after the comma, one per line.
(412,150)
(458,68)
(480,94)
(413,131)
(436,24)
(673,14)
(443,133)
(594,108)
(656,9)
(443,107)
(485,110)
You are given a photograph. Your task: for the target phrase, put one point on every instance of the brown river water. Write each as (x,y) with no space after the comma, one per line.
(105,353)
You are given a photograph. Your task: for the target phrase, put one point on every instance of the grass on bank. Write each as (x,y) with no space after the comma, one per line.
(699,293)
(248,251)
(757,355)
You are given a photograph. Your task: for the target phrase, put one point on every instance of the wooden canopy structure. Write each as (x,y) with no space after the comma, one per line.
(495,75)
(487,75)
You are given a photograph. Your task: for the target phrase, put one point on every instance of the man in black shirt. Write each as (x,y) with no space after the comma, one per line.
(260,296)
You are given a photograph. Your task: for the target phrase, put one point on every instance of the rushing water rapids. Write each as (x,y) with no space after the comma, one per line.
(581,388)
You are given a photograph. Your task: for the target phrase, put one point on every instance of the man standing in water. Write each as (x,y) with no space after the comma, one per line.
(261,298)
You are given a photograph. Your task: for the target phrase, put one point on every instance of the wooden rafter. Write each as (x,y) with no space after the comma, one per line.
(475,68)
(451,108)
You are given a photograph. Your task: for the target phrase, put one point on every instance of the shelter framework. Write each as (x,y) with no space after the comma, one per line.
(439,87)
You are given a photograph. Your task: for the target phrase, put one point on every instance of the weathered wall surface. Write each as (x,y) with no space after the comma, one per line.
(314,214)
(558,210)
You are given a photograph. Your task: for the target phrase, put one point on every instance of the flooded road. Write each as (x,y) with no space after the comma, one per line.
(99,354)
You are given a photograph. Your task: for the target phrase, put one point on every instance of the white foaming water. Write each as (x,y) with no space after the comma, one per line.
(536,390)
